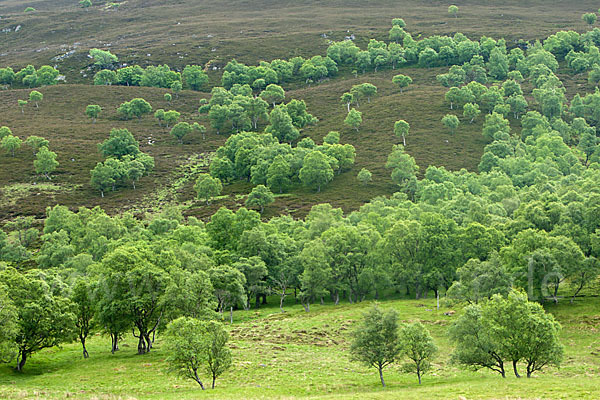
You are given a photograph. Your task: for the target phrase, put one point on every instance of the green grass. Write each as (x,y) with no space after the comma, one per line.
(303,355)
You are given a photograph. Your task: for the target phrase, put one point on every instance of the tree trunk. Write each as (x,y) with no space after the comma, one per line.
(404,140)
(213,382)
(515,369)
(577,292)
(419,376)
(197,379)
(381,376)
(337,298)
(114,342)
(281,298)
(22,361)
(306,306)
(148,342)
(231,315)
(141,344)
(85,352)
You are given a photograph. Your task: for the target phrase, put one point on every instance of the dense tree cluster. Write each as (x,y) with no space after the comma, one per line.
(192,77)
(278,71)
(125,163)
(261,159)
(237,109)
(29,76)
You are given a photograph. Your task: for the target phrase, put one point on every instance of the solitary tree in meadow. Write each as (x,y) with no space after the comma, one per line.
(453,10)
(194,346)
(353,119)
(451,122)
(10,144)
(347,98)
(375,340)
(36,97)
(589,18)
(22,104)
(45,162)
(401,129)
(170,117)
(417,345)
(364,176)
(93,111)
(180,130)
(402,81)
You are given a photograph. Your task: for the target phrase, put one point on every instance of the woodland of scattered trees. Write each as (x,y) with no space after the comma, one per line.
(523,230)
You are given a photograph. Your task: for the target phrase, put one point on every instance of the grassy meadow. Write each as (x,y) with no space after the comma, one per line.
(305,355)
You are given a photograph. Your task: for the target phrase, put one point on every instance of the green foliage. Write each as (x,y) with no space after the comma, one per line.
(278,174)
(45,162)
(93,111)
(403,168)
(453,10)
(8,326)
(417,345)
(451,122)
(589,18)
(364,176)
(119,143)
(316,170)
(260,196)
(479,280)
(105,77)
(402,81)
(471,111)
(4,131)
(84,307)
(36,143)
(281,125)
(375,341)
(194,77)
(353,119)
(103,59)
(36,97)
(44,317)
(273,94)
(207,187)
(228,283)
(195,345)
(29,9)
(11,143)
(180,130)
